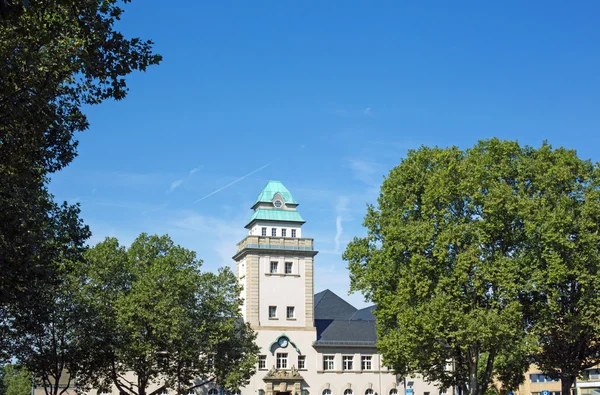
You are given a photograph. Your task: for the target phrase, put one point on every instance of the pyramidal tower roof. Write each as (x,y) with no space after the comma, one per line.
(265,209)
(272,188)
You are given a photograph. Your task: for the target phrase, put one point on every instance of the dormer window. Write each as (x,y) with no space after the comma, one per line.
(277,203)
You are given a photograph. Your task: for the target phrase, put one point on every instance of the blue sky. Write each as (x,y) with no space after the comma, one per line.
(326,97)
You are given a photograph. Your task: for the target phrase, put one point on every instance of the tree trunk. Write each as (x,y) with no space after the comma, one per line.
(566,382)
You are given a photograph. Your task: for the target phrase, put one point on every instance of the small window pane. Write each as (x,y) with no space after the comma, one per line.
(264,231)
(274,267)
(281,360)
(262,361)
(272,311)
(283,232)
(366,362)
(328,362)
(293,232)
(301,361)
(288,267)
(290,312)
(348,361)
(273,232)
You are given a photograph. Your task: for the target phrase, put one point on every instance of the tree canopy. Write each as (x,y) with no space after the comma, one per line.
(458,259)
(58,56)
(163,319)
(15,380)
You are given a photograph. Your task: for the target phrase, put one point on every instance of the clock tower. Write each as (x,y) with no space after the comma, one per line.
(275,264)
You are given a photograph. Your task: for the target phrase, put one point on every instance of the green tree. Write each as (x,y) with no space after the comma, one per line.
(441,260)
(563,245)
(163,319)
(57,57)
(16,380)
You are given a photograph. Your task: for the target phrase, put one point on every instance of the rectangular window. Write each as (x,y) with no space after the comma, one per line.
(290,312)
(281,360)
(274,266)
(366,362)
(328,362)
(272,311)
(301,361)
(264,231)
(273,232)
(288,268)
(594,374)
(293,232)
(283,232)
(262,361)
(348,362)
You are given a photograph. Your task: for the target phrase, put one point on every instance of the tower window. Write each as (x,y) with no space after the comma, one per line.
(273,232)
(262,361)
(369,392)
(290,312)
(272,311)
(366,362)
(288,267)
(264,231)
(283,232)
(274,266)
(328,362)
(301,361)
(293,232)
(282,360)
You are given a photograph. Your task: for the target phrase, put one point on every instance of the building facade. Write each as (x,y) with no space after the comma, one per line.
(310,343)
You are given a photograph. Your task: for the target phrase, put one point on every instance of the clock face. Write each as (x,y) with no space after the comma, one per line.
(283,342)
(278,203)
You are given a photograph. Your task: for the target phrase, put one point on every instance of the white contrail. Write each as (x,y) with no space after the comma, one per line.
(231,183)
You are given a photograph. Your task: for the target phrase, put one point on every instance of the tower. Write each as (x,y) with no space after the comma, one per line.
(275,264)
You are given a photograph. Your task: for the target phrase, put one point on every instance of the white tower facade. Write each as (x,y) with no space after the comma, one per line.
(275,264)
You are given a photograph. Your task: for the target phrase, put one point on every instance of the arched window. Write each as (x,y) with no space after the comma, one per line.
(213,391)
(162,392)
(393,391)
(369,392)
(191,392)
(326,392)
(348,392)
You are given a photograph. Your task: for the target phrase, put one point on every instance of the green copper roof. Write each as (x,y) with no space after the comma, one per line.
(271,189)
(276,215)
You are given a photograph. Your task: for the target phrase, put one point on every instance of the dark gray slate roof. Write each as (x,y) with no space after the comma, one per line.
(340,323)
(365,314)
(329,306)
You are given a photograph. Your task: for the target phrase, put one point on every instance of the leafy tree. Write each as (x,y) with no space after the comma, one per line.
(563,245)
(16,380)
(164,320)
(57,56)
(485,257)
(441,261)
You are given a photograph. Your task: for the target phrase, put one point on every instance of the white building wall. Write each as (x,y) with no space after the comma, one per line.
(256,229)
(281,290)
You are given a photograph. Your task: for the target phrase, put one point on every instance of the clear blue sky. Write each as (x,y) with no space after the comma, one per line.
(330,95)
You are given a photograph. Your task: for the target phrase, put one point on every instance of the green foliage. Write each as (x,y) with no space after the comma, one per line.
(451,261)
(57,56)
(163,319)
(16,380)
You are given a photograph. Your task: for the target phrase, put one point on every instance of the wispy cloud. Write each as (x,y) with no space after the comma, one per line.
(174,185)
(369,172)
(352,112)
(194,171)
(340,208)
(232,183)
